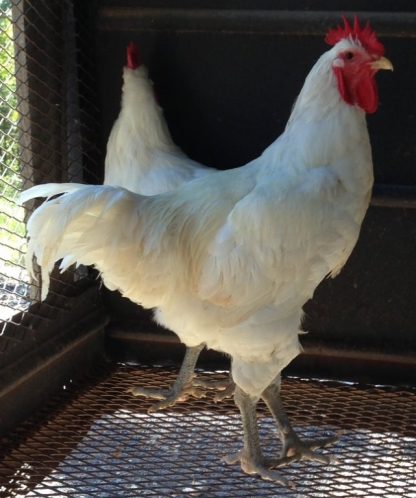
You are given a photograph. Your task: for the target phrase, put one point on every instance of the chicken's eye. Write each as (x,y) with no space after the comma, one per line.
(349,55)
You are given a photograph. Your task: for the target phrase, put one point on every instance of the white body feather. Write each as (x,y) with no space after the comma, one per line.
(231,258)
(141,155)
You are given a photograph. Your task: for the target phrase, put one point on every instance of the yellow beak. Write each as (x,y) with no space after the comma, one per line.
(382,63)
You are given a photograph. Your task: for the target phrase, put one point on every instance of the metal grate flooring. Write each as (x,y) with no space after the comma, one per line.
(96,440)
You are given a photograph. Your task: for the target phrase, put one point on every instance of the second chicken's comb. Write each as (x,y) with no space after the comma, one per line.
(365,36)
(133,56)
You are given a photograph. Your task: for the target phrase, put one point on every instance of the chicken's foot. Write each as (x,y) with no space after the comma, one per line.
(294,448)
(181,389)
(250,457)
(225,386)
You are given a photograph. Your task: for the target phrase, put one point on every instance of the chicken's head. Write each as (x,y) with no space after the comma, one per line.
(133,56)
(359,55)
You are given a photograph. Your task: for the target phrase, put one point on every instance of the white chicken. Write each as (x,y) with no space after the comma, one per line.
(142,157)
(230,259)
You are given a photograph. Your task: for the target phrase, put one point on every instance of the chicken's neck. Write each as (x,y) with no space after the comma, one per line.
(322,131)
(141,113)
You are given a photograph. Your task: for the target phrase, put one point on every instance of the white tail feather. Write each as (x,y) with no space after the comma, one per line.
(48,190)
(84,226)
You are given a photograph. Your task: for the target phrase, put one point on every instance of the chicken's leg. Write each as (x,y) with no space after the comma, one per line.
(293,447)
(250,457)
(181,388)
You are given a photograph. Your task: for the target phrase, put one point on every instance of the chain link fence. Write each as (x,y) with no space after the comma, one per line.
(14,280)
(48,122)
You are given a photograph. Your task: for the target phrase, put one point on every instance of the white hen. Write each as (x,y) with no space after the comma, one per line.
(142,157)
(230,259)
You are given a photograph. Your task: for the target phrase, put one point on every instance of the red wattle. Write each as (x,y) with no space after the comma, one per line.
(358,90)
(367,95)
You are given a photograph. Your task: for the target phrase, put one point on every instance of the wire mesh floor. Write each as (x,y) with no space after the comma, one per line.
(96,440)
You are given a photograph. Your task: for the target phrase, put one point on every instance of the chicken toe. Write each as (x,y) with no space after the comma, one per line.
(294,448)
(256,466)
(225,387)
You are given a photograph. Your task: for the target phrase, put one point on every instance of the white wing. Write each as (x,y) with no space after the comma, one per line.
(278,243)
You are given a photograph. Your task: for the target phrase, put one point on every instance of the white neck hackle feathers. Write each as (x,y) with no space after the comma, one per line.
(141,155)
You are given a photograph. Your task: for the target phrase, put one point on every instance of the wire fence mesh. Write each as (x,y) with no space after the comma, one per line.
(47,123)
(97,440)
(14,280)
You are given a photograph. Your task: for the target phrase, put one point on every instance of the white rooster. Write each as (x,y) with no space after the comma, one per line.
(230,259)
(142,157)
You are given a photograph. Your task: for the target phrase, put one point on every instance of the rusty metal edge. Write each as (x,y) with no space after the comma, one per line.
(394,196)
(317,360)
(266,22)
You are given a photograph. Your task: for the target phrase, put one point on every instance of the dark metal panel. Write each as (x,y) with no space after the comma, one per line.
(372,303)
(264,22)
(227,94)
(53,345)
(396,196)
(292,5)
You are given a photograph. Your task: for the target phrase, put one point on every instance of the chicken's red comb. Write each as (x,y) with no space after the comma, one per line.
(366,36)
(133,56)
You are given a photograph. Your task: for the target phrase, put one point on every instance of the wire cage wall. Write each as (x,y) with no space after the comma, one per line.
(47,124)
(14,281)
